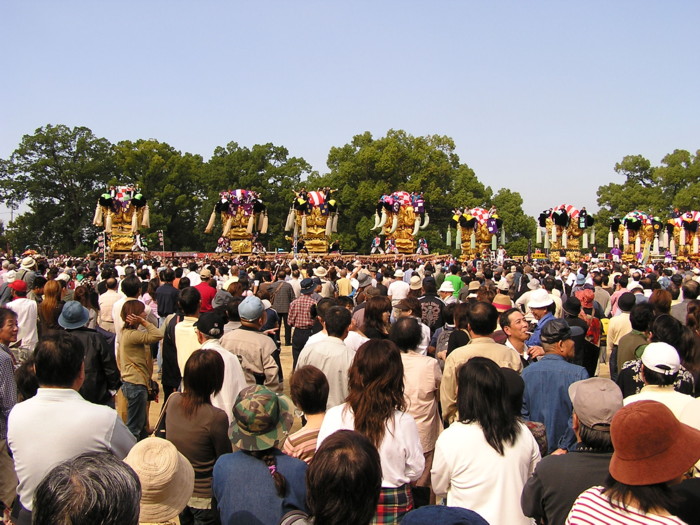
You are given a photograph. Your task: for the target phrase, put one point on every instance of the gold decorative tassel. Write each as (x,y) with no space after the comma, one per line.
(335,222)
(97,219)
(303,225)
(210,224)
(108,222)
(554,233)
(538,237)
(251,224)
(134,221)
(329,226)
(146,218)
(291,218)
(227,226)
(682,240)
(263,230)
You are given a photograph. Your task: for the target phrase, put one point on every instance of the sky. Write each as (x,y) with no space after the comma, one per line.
(540,97)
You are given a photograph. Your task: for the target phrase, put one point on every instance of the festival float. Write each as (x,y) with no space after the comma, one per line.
(565,227)
(312,219)
(400,216)
(476,230)
(121,212)
(635,233)
(243,217)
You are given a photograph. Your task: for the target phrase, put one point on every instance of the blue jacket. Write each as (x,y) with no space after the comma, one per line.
(535,337)
(546,397)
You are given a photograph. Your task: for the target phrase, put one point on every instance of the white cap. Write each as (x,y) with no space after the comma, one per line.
(661,358)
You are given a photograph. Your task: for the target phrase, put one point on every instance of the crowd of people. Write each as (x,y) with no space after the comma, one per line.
(422,391)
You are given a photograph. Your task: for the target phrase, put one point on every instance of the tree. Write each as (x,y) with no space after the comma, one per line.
(367,168)
(172,184)
(264,168)
(520,228)
(59,172)
(652,189)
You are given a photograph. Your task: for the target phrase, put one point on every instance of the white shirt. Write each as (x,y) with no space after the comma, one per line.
(400,451)
(26,311)
(58,424)
(354,340)
(666,395)
(398,290)
(234,379)
(476,477)
(194,278)
(333,358)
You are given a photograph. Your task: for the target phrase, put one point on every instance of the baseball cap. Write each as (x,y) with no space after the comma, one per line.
(18,286)
(595,401)
(661,358)
(205,273)
(555,330)
(251,308)
(307,286)
(212,324)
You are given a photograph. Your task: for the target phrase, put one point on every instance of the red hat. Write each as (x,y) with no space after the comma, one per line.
(18,286)
(651,445)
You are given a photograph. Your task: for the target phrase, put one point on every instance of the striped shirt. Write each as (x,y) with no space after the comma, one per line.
(302,444)
(593,508)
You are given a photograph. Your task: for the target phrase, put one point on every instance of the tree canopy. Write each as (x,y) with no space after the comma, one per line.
(652,189)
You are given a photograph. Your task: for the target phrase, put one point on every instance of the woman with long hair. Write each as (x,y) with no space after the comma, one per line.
(82,295)
(51,307)
(377,317)
(483,460)
(136,364)
(459,336)
(376,408)
(199,430)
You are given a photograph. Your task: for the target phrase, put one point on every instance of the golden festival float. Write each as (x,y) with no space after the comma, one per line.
(565,227)
(638,233)
(312,219)
(400,216)
(121,212)
(243,218)
(476,231)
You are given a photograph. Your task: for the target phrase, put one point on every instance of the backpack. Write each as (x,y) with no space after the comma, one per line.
(443,339)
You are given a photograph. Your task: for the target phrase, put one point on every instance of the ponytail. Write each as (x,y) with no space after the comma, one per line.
(270,460)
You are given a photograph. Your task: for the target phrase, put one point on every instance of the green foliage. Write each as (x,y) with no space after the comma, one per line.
(171,183)
(519,227)
(367,168)
(59,171)
(265,168)
(652,189)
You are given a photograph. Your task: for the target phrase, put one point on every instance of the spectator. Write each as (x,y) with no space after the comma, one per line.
(483,460)
(652,451)
(167,480)
(92,488)
(342,483)
(58,424)
(422,376)
(546,386)
(273,483)
(551,491)
(375,407)
(199,430)
(309,391)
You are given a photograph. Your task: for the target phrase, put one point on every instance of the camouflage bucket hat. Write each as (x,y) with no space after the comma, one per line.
(262,418)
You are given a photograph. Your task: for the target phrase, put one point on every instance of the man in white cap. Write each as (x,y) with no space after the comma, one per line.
(399,288)
(523,302)
(27,271)
(446,292)
(542,307)
(660,367)
(254,348)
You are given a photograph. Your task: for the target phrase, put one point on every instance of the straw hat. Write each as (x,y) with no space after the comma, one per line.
(167,479)
(502,302)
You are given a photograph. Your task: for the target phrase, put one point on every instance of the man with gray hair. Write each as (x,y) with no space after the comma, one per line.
(551,490)
(547,382)
(91,488)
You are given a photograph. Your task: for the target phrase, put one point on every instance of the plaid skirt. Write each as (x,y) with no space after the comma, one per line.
(393,504)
